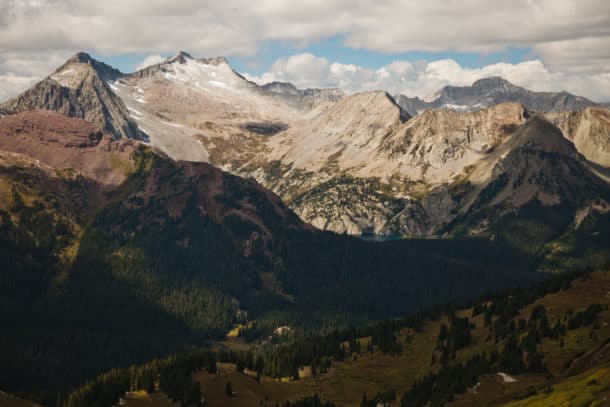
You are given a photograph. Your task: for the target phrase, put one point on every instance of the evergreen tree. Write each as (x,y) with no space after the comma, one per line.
(229,389)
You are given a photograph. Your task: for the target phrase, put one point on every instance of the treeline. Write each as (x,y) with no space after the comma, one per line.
(435,389)
(173,374)
(516,355)
(284,359)
(454,338)
(586,317)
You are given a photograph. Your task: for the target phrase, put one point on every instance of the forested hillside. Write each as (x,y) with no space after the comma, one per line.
(98,276)
(545,344)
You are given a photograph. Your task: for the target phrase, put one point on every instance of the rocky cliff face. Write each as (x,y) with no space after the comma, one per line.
(348,133)
(443,143)
(436,171)
(589,130)
(80,88)
(490,91)
(359,167)
(363,165)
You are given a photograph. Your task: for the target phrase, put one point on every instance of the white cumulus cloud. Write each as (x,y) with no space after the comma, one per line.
(570,37)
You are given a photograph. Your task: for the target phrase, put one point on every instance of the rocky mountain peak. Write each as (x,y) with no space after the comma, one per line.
(538,134)
(80,57)
(306,98)
(185,68)
(489,91)
(492,82)
(378,101)
(80,88)
(84,60)
(481,93)
(182,57)
(281,88)
(213,61)
(480,88)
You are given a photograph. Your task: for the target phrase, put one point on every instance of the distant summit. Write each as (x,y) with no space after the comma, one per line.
(493,82)
(183,56)
(281,88)
(105,71)
(490,91)
(301,97)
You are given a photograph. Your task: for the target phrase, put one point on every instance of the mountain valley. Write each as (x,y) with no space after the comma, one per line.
(187,222)
(125,242)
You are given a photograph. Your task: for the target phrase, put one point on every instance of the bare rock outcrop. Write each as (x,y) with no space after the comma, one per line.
(80,88)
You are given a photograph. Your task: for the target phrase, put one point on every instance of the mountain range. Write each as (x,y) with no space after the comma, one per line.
(361,163)
(143,213)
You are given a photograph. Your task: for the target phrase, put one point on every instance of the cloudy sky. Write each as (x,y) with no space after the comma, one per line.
(411,47)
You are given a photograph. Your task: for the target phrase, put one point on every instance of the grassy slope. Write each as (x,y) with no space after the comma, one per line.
(591,388)
(370,373)
(576,342)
